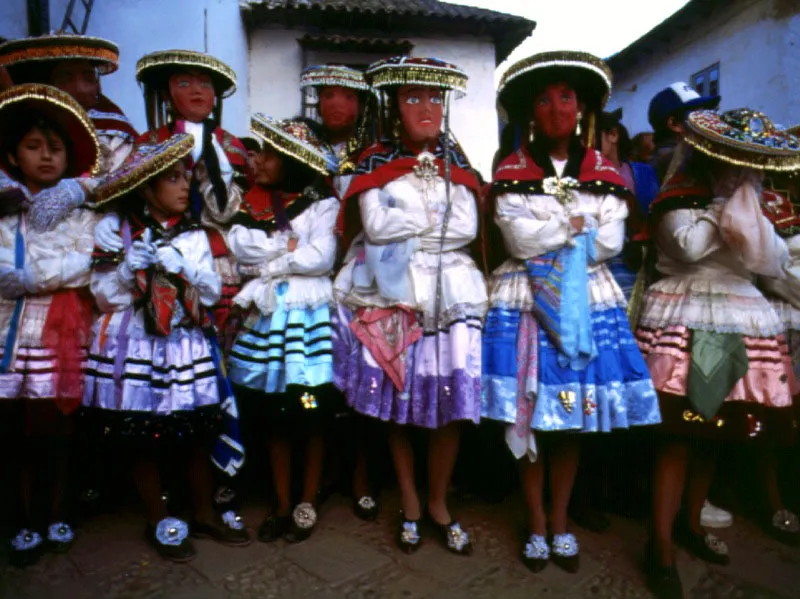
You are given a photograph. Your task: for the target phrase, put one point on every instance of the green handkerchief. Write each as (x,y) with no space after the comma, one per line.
(718,361)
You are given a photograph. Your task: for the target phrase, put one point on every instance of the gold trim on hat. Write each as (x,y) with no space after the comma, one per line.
(396,75)
(61,47)
(148,169)
(285,143)
(52,95)
(158,61)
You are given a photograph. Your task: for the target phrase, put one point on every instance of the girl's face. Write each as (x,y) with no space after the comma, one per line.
(269,168)
(338,107)
(420,112)
(193,95)
(555,112)
(170,192)
(79,79)
(41,156)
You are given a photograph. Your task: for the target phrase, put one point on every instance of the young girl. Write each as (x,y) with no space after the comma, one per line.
(560,357)
(46,139)
(283,357)
(412,301)
(154,365)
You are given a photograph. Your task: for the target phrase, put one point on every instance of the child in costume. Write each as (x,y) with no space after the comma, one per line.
(559,355)
(46,141)
(283,358)
(411,300)
(155,377)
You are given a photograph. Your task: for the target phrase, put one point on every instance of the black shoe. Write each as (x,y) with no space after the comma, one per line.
(60,537)
(304,520)
(26,548)
(273,528)
(170,539)
(535,553)
(454,538)
(564,552)
(664,582)
(408,537)
(231,531)
(708,547)
(367,508)
(785,527)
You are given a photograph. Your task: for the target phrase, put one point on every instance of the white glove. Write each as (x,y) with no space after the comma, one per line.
(106,233)
(139,257)
(52,205)
(170,259)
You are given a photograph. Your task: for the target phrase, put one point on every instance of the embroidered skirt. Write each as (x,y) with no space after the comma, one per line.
(442,375)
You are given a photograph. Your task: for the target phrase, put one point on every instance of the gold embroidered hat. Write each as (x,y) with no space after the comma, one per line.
(60,107)
(21,57)
(297,140)
(416,70)
(143,163)
(155,69)
(333,75)
(743,137)
(587,74)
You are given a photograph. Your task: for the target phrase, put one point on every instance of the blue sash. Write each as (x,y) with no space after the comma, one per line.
(13,328)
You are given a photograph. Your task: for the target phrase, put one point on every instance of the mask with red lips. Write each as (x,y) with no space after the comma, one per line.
(338,107)
(555,111)
(421,113)
(193,95)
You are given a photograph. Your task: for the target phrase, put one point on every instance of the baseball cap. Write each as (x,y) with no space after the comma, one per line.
(678,96)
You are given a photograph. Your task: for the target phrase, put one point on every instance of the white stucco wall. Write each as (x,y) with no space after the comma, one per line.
(756,44)
(276,60)
(142,26)
(13,19)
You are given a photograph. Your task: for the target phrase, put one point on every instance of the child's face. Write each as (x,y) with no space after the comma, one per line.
(170,195)
(41,156)
(269,168)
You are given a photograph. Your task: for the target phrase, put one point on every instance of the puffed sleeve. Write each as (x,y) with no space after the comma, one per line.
(199,266)
(530,232)
(254,246)
(386,219)
(53,268)
(788,288)
(689,235)
(462,226)
(611,227)
(316,249)
(110,289)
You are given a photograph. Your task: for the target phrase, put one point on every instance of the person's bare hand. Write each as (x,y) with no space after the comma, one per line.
(292,245)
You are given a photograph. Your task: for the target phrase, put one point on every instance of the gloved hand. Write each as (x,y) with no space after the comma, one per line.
(170,259)
(140,256)
(16,282)
(106,233)
(52,205)
(14,197)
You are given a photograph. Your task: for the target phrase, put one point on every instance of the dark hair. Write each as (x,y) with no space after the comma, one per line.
(22,122)
(636,144)
(251,144)
(610,121)
(661,130)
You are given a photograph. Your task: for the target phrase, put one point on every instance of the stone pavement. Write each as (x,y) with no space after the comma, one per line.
(349,558)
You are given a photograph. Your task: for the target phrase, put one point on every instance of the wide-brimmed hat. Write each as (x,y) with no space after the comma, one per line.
(416,70)
(61,108)
(743,137)
(587,74)
(155,69)
(333,74)
(22,55)
(297,140)
(143,163)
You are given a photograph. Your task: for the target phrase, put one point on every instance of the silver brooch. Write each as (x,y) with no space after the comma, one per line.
(426,168)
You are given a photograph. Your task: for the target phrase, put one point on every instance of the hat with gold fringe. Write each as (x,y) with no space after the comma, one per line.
(143,163)
(416,70)
(333,75)
(295,139)
(155,69)
(21,55)
(743,137)
(60,107)
(589,76)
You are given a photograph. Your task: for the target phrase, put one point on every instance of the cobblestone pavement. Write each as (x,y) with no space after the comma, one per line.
(349,558)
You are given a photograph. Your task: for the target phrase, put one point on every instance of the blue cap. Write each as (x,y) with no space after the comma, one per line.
(678,96)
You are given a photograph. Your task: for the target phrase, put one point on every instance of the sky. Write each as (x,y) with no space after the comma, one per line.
(600,27)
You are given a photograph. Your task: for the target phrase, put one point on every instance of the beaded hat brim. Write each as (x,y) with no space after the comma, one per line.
(424,72)
(333,75)
(65,111)
(270,131)
(155,69)
(743,137)
(590,74)
(49,48)
(143,163)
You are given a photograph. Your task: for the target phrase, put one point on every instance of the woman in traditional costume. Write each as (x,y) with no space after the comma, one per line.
(155,375)
(714,345)
(46,140)
(411,300)
(559,356)
(283,358)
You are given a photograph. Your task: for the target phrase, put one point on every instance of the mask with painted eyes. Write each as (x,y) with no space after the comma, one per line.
(555,112)
(338,107)
(193,95)
(421,112)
